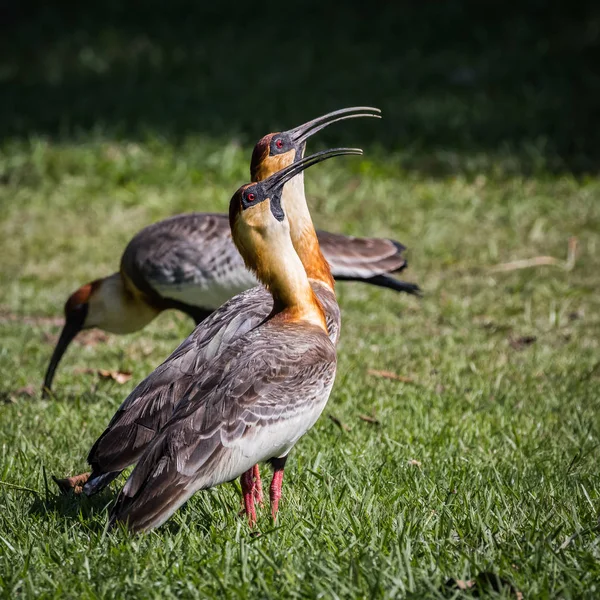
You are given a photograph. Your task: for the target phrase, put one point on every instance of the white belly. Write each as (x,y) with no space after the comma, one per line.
(209,293)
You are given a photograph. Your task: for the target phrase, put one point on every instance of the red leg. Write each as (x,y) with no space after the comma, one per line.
(247,481)
(258,493)
(276,482)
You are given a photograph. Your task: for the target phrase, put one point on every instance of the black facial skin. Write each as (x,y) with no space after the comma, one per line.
(273,186)
(280,144)
(300,148)
(260,195)
(285,140)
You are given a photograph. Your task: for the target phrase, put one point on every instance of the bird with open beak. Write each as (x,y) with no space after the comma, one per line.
(249,397)
(189,262)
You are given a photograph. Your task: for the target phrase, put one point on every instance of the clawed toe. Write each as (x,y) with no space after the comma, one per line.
(72,484)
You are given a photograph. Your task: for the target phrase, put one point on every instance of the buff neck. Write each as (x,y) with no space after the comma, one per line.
(115,308)
(303,234)
(267,250)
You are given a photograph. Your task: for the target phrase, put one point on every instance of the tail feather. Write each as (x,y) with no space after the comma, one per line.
(98,481)
(357,259)
(389,282)
(156,487)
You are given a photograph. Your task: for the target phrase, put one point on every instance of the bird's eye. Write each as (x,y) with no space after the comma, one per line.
(279,143)
(250,197)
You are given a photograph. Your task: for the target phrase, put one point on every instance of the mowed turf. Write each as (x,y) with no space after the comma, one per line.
(484,459)
(462,435)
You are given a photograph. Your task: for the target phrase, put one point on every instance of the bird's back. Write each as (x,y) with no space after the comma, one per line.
(190,259)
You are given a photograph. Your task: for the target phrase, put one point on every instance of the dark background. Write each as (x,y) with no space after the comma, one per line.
(455,79)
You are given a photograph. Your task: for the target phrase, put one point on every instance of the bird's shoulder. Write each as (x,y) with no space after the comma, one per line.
(188,248)
(277,359)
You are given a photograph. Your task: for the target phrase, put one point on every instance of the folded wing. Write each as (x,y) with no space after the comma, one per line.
(251,404)
(150,405)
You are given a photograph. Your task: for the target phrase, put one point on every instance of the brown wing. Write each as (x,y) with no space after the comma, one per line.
(150,405)
(190,259)
(361,258)
(252,403)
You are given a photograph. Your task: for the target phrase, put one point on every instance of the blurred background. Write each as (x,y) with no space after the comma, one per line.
(464,85)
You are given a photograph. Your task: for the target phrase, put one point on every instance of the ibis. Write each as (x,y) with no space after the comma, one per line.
(189,262)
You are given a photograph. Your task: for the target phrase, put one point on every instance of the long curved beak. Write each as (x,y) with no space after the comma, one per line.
(279,179)
(303,132)
(72,327)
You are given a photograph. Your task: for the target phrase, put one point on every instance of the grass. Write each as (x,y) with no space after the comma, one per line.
(485,462)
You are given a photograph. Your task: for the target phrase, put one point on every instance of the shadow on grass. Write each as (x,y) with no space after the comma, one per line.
(456,80)
(81,508)
(75,508)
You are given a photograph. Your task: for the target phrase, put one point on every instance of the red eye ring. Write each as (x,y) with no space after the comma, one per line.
(279,143)
(250,197)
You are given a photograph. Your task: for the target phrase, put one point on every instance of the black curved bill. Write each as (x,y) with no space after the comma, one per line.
(72,327)
(303,132)
(280,178)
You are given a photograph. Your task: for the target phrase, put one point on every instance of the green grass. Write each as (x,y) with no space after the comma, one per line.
(486,462)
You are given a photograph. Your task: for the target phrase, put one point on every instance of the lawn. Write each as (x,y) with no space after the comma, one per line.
(480,451)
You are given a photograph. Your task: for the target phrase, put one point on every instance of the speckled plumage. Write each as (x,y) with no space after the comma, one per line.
(150,405)
(251,403)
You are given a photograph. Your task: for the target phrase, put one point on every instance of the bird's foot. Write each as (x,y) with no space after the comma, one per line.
(72,484)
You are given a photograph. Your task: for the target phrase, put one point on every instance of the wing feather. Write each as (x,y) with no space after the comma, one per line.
(361,258)
(150,405)
(253,403)
(192,259)
(189,258)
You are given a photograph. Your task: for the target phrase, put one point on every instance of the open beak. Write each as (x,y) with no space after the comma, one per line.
(279,179)
(73,325)
(303,132)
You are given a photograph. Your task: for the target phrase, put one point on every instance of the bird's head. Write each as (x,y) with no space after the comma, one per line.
(104,303)
(76,314)
(258,221)
(275,151)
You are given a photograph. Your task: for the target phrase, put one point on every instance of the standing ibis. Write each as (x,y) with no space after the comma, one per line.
(189,262)
(250,380)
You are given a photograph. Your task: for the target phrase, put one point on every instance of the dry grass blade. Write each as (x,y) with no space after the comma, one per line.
(526,263)
(27,391)
(369,419)
(340,424)
(541,261)
(390,375)
(118,376)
